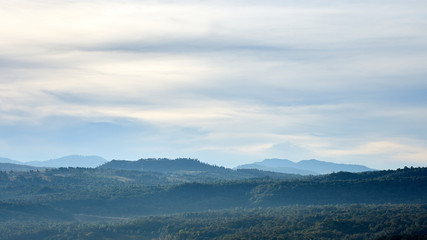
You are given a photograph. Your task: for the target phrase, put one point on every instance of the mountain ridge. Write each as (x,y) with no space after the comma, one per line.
(288,170)
(17,167)
(90,161)
(8,160)
(304,167)
(70,161)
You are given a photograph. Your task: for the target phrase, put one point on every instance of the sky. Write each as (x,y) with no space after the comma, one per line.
(227,81)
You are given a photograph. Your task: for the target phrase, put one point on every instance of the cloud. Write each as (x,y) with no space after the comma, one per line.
(395,152)
(382,147)
(249,78)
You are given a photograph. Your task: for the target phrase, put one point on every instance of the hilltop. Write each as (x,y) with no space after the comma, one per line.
(162,165)
(191,168)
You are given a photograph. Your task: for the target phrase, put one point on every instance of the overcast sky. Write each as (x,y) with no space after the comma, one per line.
(226,81)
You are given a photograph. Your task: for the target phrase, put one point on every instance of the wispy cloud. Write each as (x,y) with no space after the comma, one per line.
(393,152)
(225,81)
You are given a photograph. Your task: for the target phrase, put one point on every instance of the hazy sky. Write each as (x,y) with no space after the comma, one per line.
(225,81)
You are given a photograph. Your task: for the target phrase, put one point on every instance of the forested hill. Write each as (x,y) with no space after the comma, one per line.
(16,167)
(75,195)
(190,170)
(161,165)
(106,192)
(344,222)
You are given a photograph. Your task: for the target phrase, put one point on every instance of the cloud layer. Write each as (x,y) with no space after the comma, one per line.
(228,82)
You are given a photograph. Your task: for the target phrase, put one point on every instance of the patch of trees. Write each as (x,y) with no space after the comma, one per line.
(385,222)
(121,193)
(53,203)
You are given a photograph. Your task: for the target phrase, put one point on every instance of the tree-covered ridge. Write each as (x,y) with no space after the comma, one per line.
(355,222)
(162,165)
(121,193)
(392,186)
(32,201)
(16,167)
(30,184)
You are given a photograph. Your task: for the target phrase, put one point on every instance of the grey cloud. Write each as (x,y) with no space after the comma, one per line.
(7,63)
(208,46)
(340,76)
(95,98)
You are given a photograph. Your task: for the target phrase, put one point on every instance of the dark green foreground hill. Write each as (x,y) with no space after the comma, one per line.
(288,223)
(121,193)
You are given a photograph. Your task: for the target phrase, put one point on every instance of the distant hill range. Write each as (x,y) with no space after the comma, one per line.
(17,167)
(67,161)
(304,167)
(8,160)
(70,161)
(164,165)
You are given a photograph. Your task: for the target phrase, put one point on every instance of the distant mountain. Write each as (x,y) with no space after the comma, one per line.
(70,161)
(288,170)
(16,167)
(304,167)
(8,160)
(328,167)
